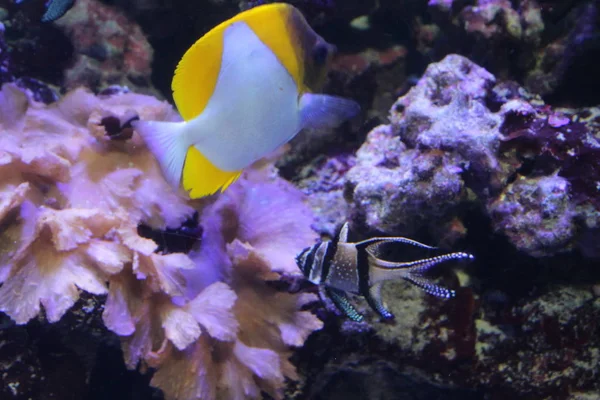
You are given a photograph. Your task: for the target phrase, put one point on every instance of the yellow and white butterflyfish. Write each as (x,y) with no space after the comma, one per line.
(243,89)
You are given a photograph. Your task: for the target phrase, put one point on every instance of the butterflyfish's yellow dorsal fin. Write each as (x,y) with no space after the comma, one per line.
(202,178)
(276,25)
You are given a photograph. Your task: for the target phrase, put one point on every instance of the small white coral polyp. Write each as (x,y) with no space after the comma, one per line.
(70,203)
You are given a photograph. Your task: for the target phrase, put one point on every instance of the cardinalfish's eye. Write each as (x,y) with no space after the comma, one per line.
(320,53)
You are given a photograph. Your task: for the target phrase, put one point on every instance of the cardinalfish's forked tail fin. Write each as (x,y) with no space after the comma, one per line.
(382,267)
(411,268)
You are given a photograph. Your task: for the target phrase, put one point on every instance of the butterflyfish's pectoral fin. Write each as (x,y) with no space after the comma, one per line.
(374,300)
(323,111)
(340,300)
(167,142)
(202,178)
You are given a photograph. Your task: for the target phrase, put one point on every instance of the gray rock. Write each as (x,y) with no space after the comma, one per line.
(536,214)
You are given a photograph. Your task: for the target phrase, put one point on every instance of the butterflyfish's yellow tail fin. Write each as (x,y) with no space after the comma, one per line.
(202,178)
(169,144)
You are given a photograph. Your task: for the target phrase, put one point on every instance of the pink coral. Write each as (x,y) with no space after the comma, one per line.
(71,199)
(251,235)
(67,250)
(44,150)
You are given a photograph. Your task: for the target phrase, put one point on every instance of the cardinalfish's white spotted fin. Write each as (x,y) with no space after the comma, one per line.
(341,301)
(381,270)
(413,270)
(398,239)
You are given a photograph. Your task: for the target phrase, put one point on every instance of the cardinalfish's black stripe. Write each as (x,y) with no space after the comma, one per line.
(362,265)
(310,259)
(328,259)
(301,258)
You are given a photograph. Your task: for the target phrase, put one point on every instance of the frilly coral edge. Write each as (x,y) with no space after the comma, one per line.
(71,201)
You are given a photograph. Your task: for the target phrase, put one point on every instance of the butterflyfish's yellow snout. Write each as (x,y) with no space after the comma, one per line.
(243,89)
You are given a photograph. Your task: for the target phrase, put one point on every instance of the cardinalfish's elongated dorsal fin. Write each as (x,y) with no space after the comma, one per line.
(343,235)
(377,241)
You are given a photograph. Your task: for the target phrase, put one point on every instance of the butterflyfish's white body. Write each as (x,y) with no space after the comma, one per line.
(244,89)
(262,114)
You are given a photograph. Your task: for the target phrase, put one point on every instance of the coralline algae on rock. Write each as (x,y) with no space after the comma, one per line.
(395,189)
(546,43)
(447,111)
(442,135)
(458,139)
(536,214)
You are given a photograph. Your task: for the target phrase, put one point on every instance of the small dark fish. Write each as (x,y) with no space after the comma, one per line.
(339,267)
(56,9)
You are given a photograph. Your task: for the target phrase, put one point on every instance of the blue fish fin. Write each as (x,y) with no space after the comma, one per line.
(340,300)
(167,142)
(373,297)
(429,287)
(324,111)
(56,9)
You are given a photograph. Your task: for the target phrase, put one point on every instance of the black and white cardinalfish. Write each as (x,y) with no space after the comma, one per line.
(339,267)
(244,89)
